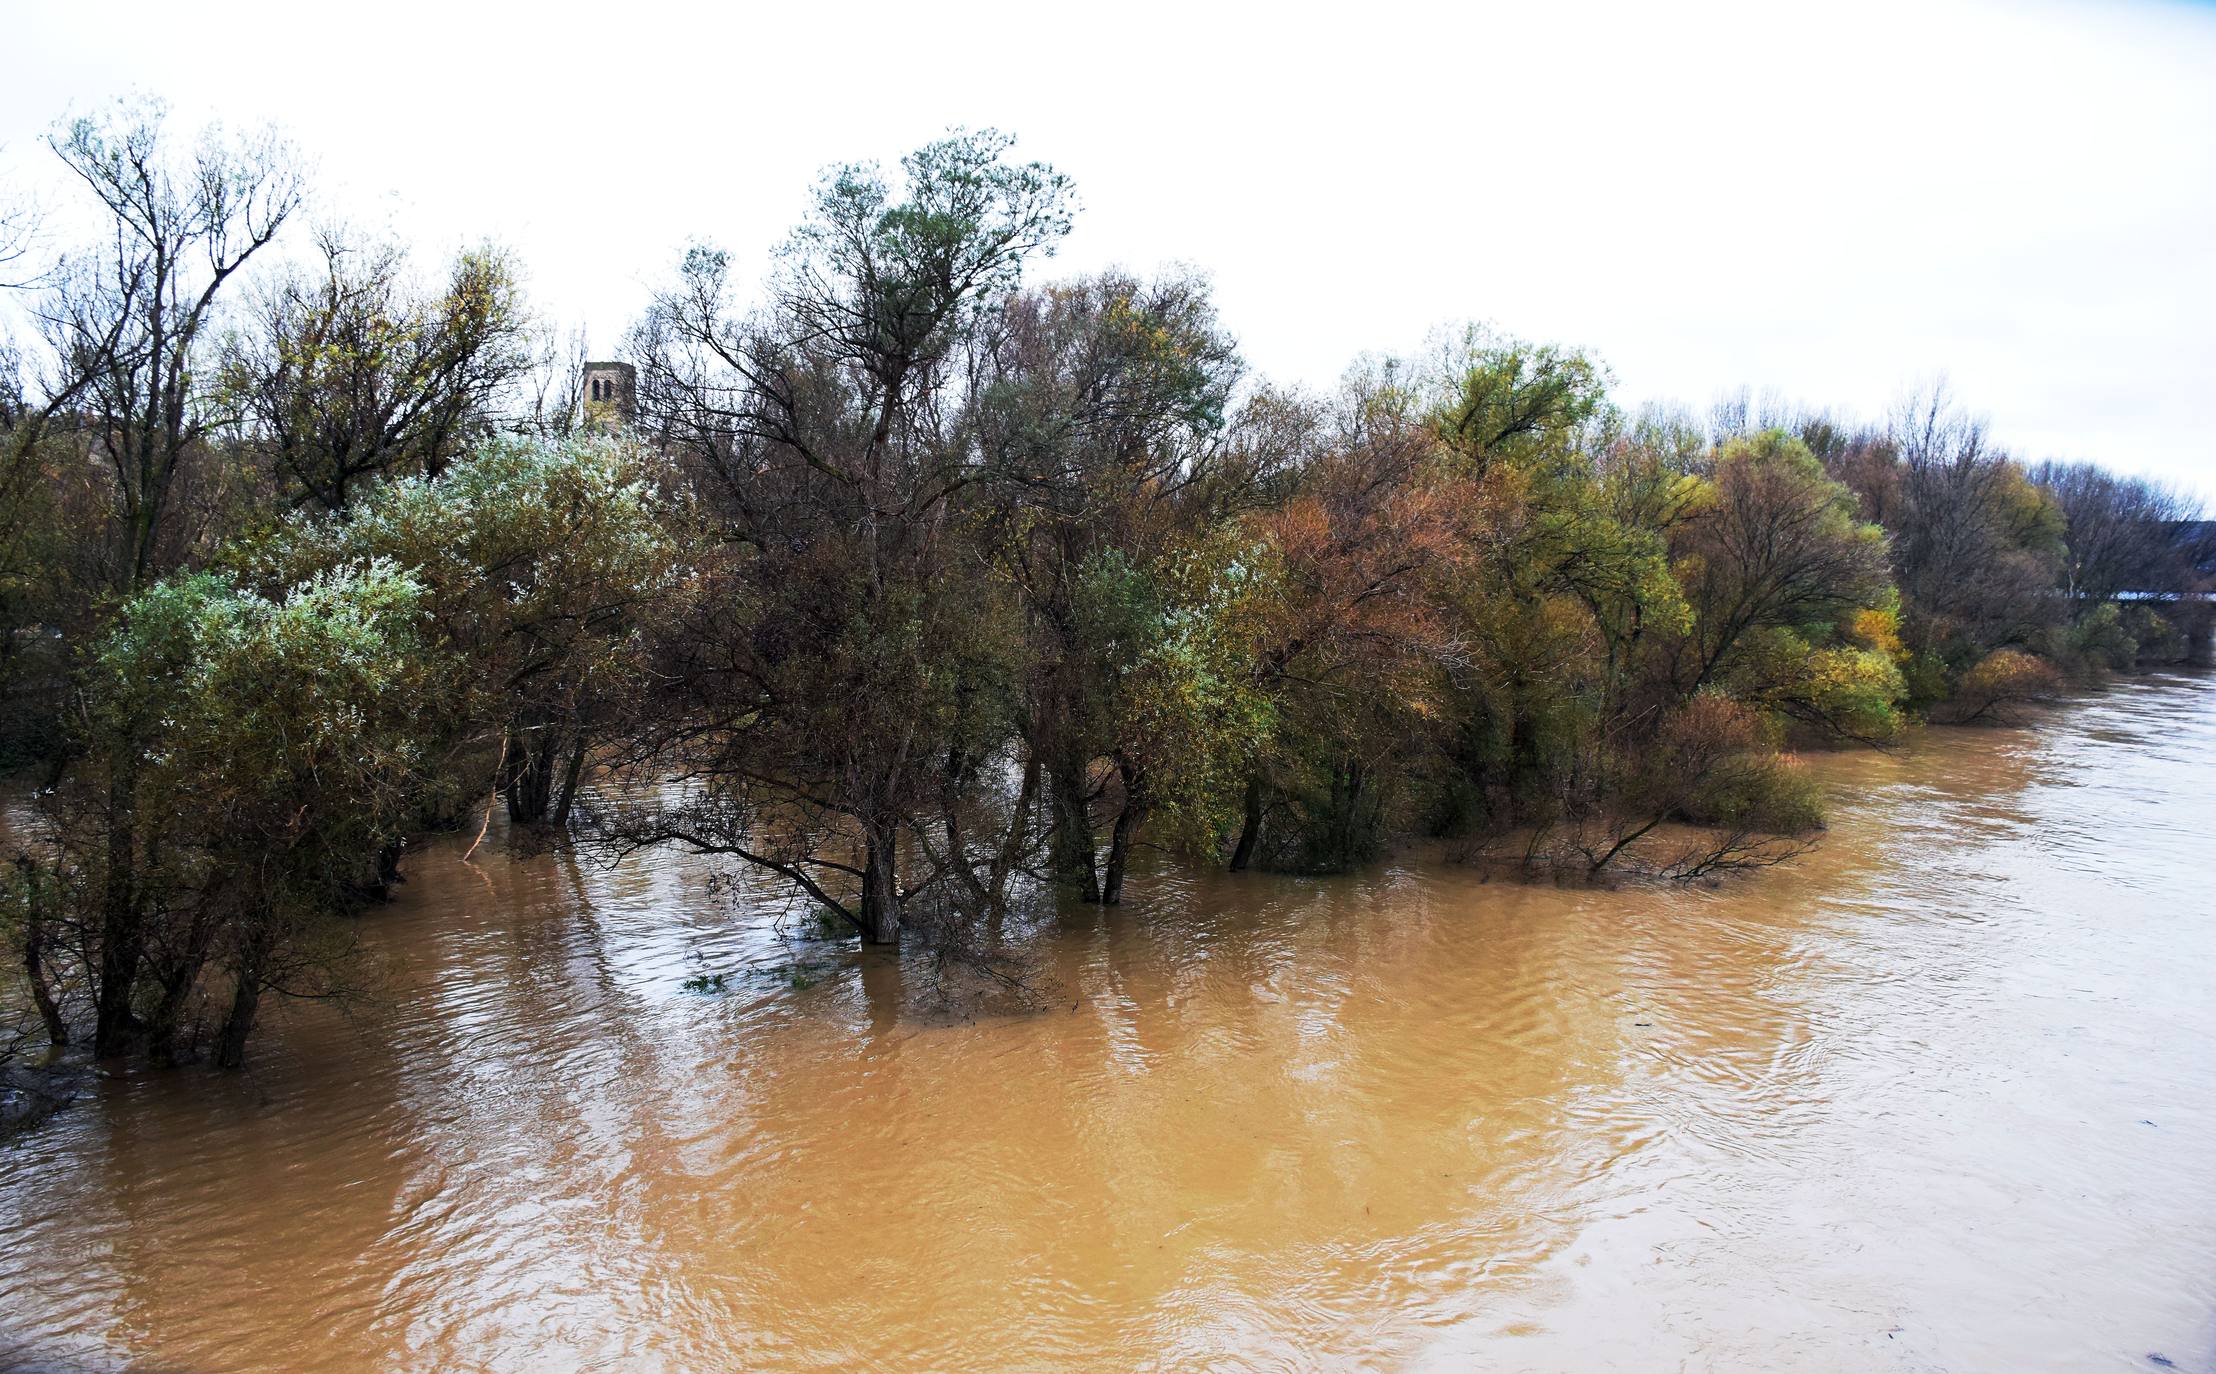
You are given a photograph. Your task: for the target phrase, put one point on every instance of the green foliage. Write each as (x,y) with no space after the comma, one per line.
(1514,402)
(1177,638)
(1928,678)
(546,567)
(290,722)
(1758,790)
(2099,641)
(903,278)
(2154,636)
(260,752)
(526,549)
(1841,691)
(1790,592)
(2108,638)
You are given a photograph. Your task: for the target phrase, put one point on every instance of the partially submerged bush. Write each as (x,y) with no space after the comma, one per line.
(2156,638)
(2003,678)
(1758,791)
(1713,764)
(2099,641)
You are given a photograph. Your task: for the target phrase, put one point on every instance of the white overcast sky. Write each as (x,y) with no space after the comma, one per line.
(1832,202)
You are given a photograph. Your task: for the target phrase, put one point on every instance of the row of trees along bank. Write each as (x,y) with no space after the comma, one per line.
(936,590)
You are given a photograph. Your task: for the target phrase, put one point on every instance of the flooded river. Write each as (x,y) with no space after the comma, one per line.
(1940,1096)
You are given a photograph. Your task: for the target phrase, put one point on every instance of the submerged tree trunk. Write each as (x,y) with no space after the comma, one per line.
(1127,823)
(881,886)
(1347,836)
(1250,831)
(987,895)
(567,798)
(34,953)
(388,870)
(530,782)
(121,938)
(1017,839)
(177,982)
(246,996)
(1072,855)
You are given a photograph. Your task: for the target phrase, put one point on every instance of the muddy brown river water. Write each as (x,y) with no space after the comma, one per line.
(1941,1096)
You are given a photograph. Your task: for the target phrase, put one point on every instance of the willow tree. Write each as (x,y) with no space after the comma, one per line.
(548,569)
(1104,426)
(127,324)
(1371,525)
(1782,617)
(352,370)
(1780,547)
(1174,637)
(846,650)
(1566,575)
(273,739)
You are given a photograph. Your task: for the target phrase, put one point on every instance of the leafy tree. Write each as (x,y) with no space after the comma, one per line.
(1373,526)
(828,426)
(548,569)
(1106,430)
(1516,402)
(1176,642)
(273,741)
(126,324)
(352,372)
(2001,679)
(1779,547)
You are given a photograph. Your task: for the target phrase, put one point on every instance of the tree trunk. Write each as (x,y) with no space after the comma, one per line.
(246,997)
(161,1030)
(1250,833)
(1524,771)
(1018,836)
(177,983)
(530,781)
(881,886)
(34,954)
(388,870)
(121,939)
(1072,855)
(1349,784)
(1127,823)
(568,797)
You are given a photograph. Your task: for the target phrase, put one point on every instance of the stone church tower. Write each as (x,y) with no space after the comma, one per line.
(609,396)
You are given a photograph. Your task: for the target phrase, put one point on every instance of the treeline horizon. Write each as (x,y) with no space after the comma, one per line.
(929,590)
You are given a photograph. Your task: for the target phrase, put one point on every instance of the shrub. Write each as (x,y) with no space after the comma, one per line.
(1759,791)
(2099,641)
(2003,678)
(2155,637)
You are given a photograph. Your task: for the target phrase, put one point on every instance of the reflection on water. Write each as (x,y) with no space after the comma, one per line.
(1941,1096)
